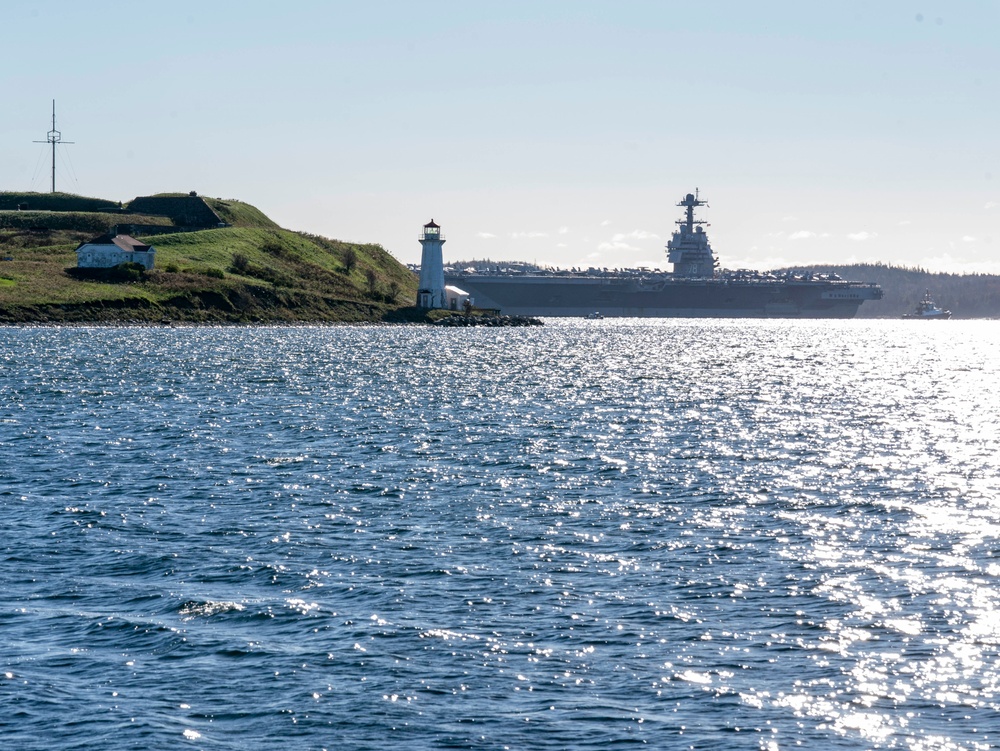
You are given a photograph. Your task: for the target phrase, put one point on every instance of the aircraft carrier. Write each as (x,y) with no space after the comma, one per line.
(695,288)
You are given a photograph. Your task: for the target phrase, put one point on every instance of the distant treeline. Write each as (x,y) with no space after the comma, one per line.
(965,295)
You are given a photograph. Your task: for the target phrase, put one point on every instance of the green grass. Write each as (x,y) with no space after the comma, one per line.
(240,214)
(253,271)
(10,200)
(83,221)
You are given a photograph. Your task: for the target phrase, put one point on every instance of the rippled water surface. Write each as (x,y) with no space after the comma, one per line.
(597,534)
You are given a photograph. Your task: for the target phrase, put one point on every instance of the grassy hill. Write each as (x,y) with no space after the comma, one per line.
(54,202)
(251,270)
(240,214)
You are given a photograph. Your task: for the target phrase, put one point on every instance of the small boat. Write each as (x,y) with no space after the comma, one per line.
(927,309)
(595,316)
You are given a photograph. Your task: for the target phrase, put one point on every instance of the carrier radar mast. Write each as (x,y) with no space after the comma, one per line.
(689,203)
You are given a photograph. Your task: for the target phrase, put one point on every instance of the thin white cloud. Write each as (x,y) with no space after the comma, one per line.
(905,222)
(968,239)
(788,219)
(485,235)
(802,234)
(560,245)
(990,205)
(617,245)
(756,262)
(563,230)
(636,234)
(606,222)
(523,235)
(861,236)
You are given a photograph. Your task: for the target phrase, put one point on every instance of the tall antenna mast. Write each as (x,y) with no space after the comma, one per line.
(53,137)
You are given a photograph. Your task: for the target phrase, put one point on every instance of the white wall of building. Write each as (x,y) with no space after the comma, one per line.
(107,256)
(455,298)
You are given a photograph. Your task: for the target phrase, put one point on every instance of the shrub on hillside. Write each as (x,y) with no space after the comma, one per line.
(240,263)
(350,260)
(371,281)
(120,274)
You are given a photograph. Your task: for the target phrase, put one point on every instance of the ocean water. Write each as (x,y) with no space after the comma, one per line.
(591,535)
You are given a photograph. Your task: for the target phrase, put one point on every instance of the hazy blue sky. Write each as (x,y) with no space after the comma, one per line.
(562,132)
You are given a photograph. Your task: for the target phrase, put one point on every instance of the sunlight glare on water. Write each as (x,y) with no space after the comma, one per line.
(683,534)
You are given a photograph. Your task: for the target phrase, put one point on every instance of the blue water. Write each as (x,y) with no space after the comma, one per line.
(596,534)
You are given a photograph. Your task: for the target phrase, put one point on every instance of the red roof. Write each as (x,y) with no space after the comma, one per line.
(125,242)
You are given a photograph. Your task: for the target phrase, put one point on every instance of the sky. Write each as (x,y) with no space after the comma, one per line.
(561,132)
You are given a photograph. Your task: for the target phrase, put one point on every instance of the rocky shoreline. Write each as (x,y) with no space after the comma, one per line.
(490,321)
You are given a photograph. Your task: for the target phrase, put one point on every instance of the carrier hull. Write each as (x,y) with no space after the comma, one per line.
(576,296)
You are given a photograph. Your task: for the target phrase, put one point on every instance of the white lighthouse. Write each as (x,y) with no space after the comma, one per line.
(431,293)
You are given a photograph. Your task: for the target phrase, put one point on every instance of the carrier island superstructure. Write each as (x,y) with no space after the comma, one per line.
(695,288)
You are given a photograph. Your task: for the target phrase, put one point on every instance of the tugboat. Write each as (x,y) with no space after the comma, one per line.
(927,309)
